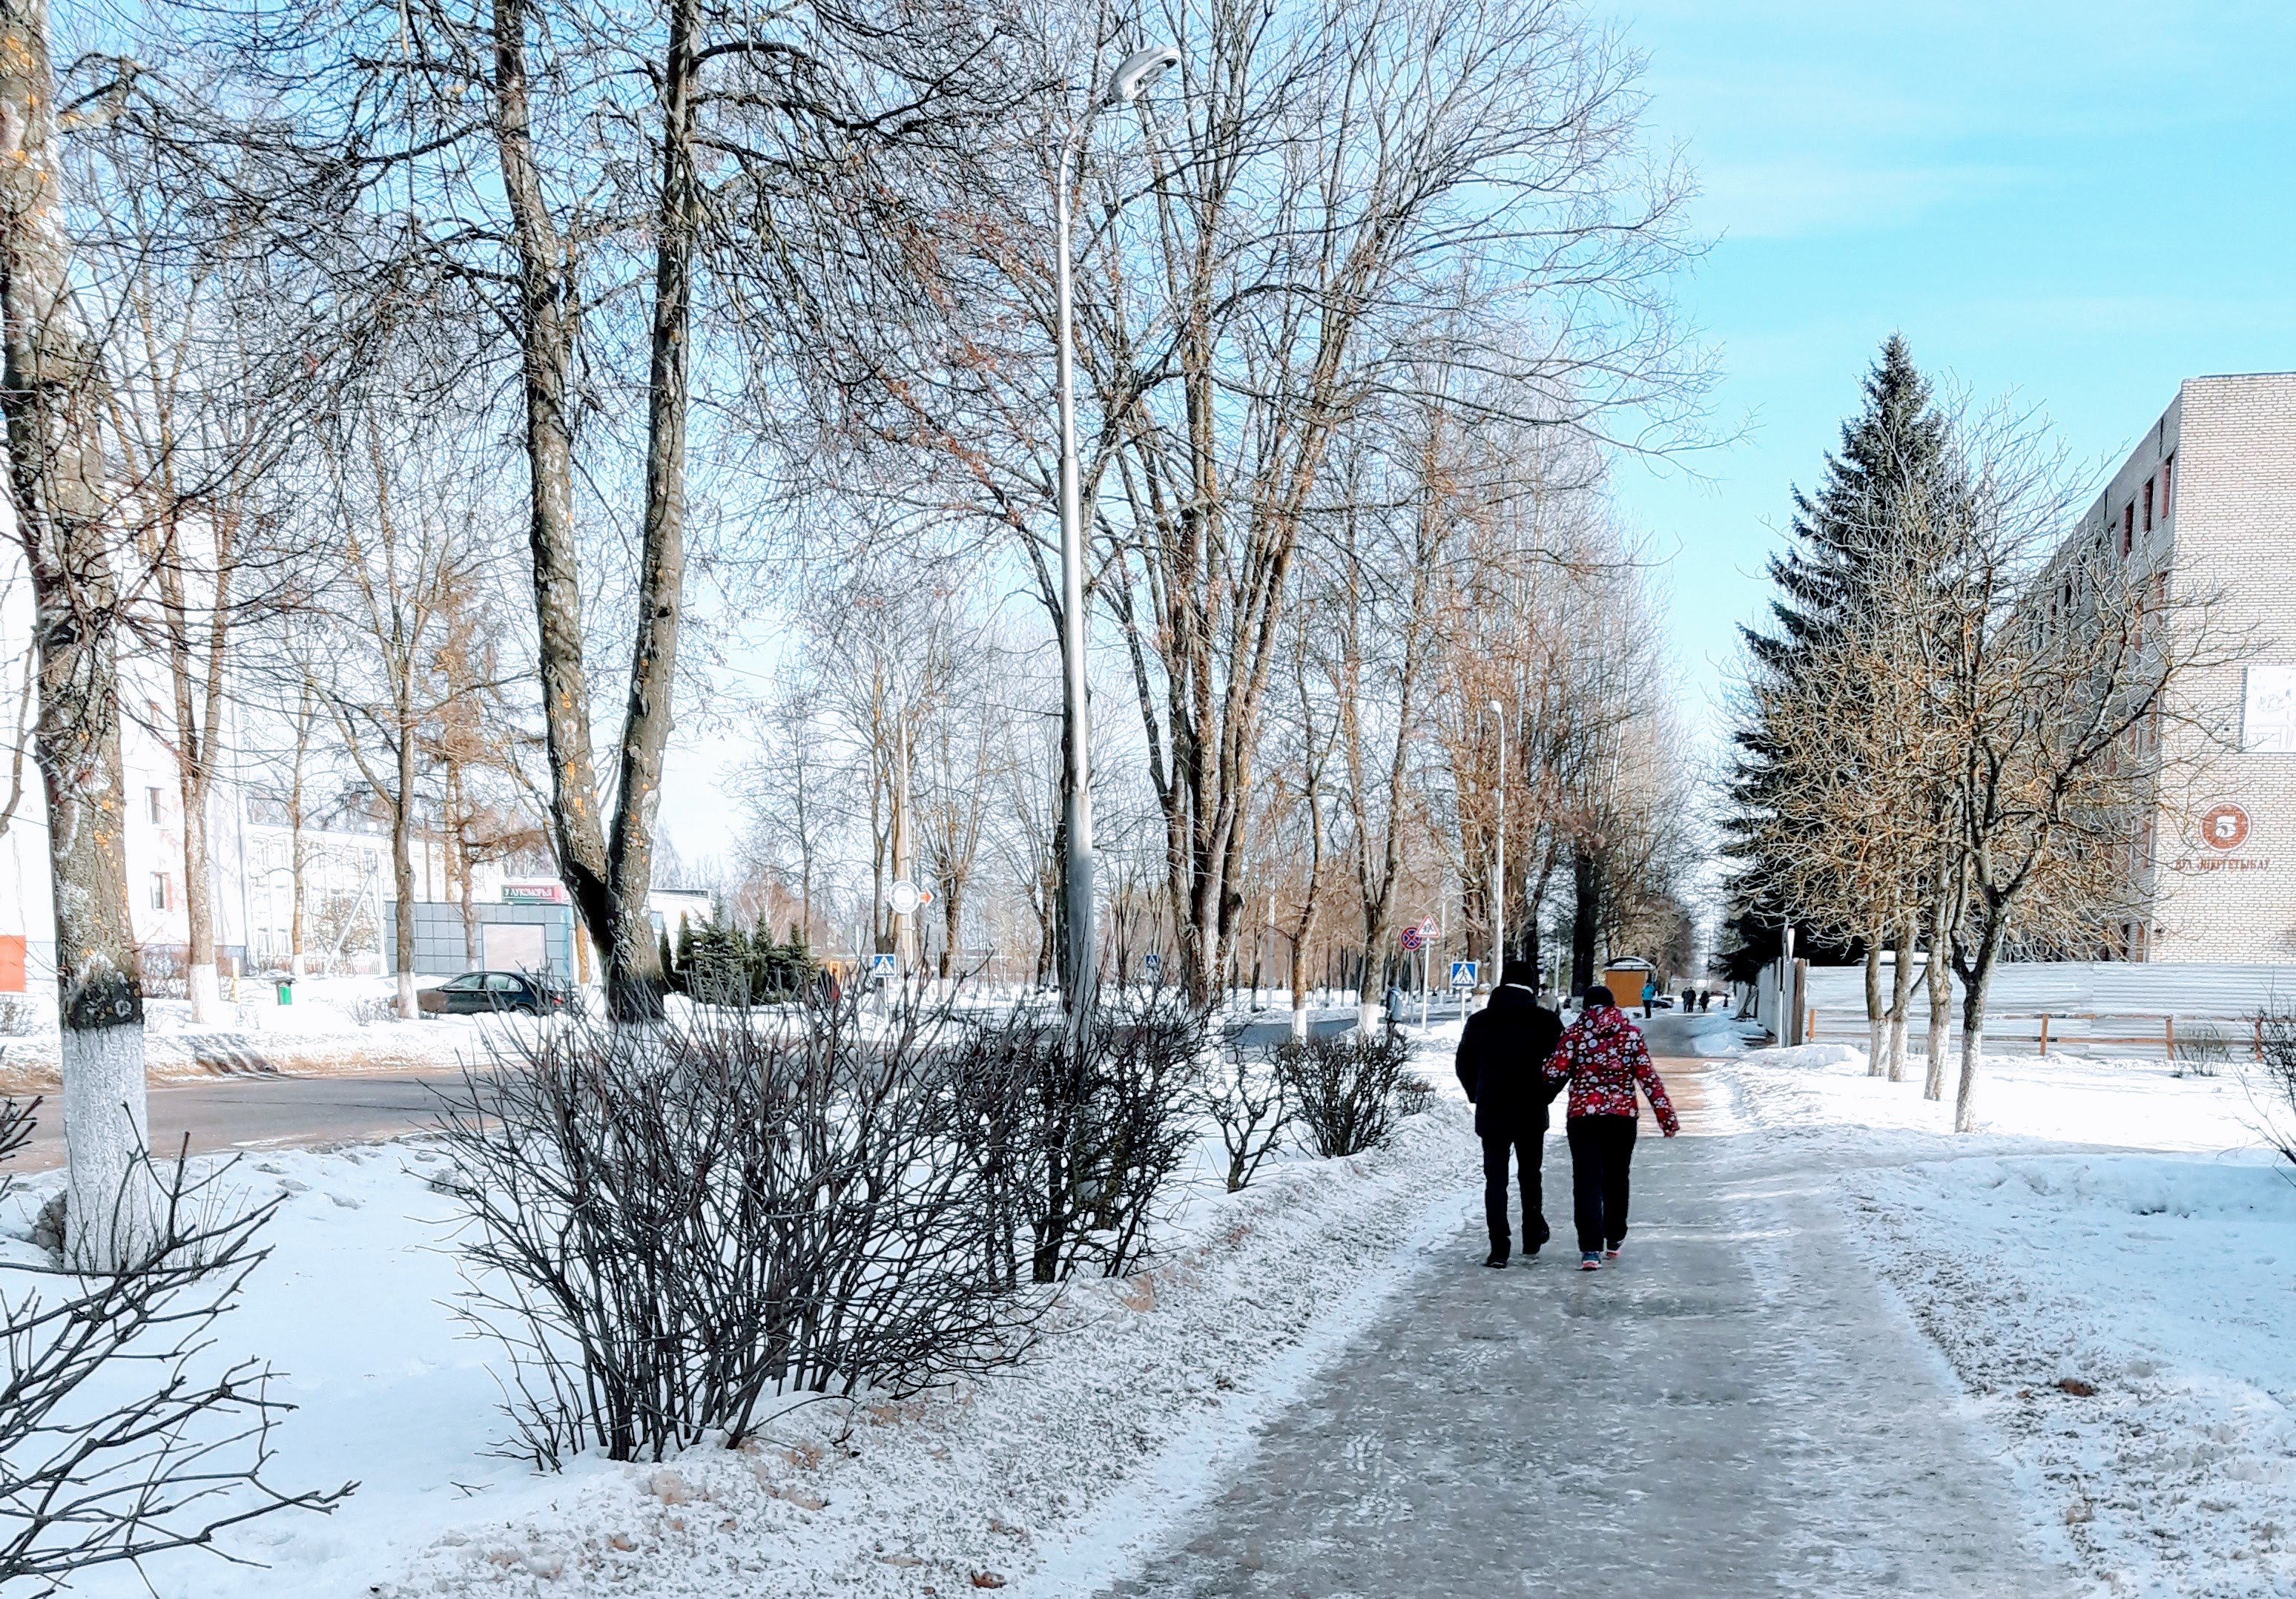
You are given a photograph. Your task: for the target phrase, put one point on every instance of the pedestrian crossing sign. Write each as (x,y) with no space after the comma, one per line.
(885,963)
(1462,974)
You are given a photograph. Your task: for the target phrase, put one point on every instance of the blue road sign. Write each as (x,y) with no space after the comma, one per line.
(885,964)
(1152,963)
(1462,974)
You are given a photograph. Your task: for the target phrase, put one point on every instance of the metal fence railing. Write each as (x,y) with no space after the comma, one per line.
(2164,1037)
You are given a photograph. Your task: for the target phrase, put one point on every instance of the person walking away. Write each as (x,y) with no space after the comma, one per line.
(1502,1065)
(1650,996)
(1601,1055)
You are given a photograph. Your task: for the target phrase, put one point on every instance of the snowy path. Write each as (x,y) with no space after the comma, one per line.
(1736,1409)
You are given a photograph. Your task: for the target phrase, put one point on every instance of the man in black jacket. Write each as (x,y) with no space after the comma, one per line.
(1502,1067)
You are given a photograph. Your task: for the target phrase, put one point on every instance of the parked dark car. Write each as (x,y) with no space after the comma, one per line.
(479,993)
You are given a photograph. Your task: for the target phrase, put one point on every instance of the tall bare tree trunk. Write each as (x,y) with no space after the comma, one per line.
(1973,1051)
(1874,1065)
(549,300)
(51,392)
(197,685)
(297,846)
(634,975)
(1938,979)
(1901,995)
(402,868)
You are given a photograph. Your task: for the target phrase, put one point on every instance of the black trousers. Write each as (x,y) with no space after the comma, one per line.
(1527,1146)
(1601,1154)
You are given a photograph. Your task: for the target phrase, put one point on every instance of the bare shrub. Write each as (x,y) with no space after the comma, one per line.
(20,1018)
(1413,1096)
(115,1444)
(1075,1147)
(1349,1090)
(368,1010)
(673,1223)
(1247,1100)
(2201,1051)
(2276,1038)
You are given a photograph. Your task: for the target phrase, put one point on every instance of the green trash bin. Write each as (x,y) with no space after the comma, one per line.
(286,990)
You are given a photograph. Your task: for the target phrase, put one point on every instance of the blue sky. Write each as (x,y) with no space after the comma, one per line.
(2079,203)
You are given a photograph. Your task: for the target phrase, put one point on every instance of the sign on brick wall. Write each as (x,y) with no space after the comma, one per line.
(2268,722)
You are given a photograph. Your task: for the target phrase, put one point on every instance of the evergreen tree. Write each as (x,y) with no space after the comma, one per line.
(670,974)
(1895,449)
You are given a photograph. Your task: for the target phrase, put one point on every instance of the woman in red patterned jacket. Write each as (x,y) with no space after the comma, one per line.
(1602,1056)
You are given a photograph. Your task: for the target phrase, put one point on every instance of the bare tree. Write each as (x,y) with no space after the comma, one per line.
(53,393)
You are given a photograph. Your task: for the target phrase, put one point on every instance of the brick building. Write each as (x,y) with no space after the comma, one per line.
(2208,499)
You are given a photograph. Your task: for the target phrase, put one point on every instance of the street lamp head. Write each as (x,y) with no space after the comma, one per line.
(1137,70)
(1498,710)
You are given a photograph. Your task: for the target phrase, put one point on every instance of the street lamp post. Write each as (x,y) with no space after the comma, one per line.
(1135,73)
(1499,884)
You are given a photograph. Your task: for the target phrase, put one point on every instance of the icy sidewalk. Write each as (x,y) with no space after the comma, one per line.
(1736,1409)
(2118,1314)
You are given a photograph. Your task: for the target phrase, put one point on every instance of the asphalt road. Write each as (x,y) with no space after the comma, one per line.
(256,1112)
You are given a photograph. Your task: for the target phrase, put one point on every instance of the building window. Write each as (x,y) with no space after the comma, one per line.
(158,886)
(152,798)
(2128,527)
(2168,487)
(2148,504)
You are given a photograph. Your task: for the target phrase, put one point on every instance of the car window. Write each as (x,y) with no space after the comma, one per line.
(501,982)
(461,985)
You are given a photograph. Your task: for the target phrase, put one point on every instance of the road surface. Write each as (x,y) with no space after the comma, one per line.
(254,1113)
(1735,1409)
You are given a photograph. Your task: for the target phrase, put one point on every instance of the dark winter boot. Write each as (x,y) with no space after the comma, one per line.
(1498,1255)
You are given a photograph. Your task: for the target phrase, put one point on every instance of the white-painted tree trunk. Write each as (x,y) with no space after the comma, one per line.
(407,1008)
(206,995)
(1973,1061)
(111,1207)
(1299,1024)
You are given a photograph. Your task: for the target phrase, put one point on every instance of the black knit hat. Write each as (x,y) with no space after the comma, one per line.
(1599,995)
(1520,974)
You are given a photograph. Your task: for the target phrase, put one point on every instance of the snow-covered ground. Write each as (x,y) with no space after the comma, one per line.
(332,1024)
(2109,1266)
(1035,1479)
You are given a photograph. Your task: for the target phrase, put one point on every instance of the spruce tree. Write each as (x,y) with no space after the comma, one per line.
(1895,448)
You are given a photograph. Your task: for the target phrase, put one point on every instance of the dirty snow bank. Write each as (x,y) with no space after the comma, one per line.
(2119,1315)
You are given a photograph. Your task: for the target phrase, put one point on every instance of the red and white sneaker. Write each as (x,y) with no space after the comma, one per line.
(1590,1261)
(1610,1254)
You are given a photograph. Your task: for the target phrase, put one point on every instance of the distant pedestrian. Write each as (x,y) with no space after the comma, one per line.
(1502,1065)
(1704,994)
(1650,996)
(1601,1055)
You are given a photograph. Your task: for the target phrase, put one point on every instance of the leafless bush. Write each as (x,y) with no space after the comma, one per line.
(20,1018)
(1348,1089)
(115,1445)
(2202,1051)
(1248,1100)
(1413,1096)
(2275,1037)
(373,1008)
(1076,1146)
(673,1223)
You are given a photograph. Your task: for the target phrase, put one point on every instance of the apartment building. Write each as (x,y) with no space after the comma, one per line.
(2208,501)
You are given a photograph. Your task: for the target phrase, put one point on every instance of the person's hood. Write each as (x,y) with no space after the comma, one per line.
(1513,996)
(1603,1020)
